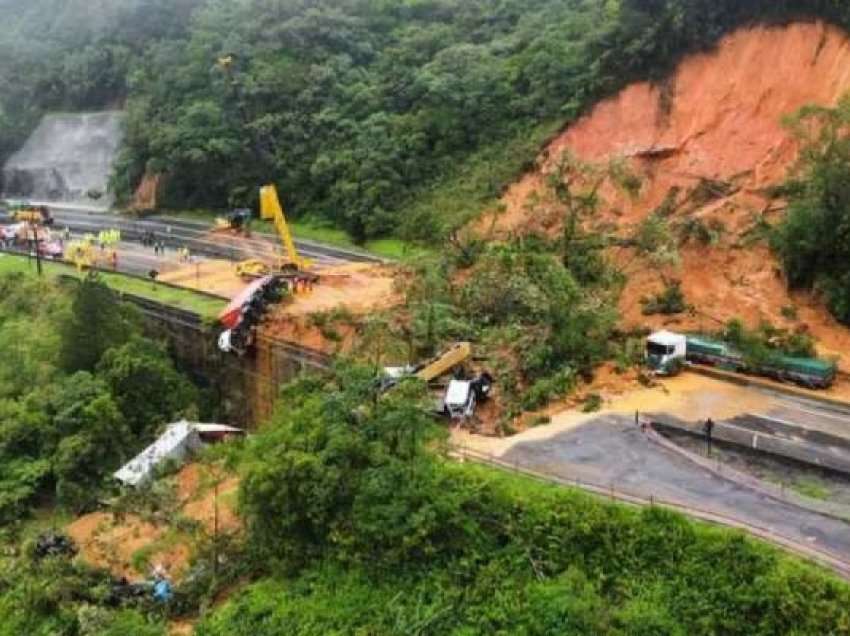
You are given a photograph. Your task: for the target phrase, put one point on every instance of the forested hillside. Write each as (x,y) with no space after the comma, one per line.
(384,117)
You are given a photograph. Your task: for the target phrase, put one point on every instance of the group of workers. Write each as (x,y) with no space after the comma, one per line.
(149,239)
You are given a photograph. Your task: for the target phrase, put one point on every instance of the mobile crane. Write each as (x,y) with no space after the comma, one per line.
(293,262)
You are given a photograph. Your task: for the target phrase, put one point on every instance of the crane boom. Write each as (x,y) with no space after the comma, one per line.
(272,210)
(455,355)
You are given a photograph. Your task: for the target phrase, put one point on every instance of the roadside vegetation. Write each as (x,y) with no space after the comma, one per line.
(385,124)
(812,240)
(356,522)
(205,306)
(766,342)
(81,391)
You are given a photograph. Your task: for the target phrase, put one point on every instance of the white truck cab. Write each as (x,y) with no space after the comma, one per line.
(666,351)
(459,402)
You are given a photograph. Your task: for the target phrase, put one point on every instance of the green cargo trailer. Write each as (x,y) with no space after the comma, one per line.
(700,349)
(810,372)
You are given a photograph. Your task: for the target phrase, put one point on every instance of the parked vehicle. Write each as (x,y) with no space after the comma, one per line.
(50,249)
(9,233)
(667,353)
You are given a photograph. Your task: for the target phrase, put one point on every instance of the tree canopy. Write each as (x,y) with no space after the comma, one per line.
(357,523)
(91,392)
(813,240)
(381,117)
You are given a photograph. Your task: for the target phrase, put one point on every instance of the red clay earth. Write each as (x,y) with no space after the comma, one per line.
(718,118)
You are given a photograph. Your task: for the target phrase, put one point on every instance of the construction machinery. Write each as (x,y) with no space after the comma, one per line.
(39,215)
(454,356)
(238,220)
(290,264)
(81,254)
(431,369)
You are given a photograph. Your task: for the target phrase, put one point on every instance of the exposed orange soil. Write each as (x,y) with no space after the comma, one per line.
(210,275)
(354,289)
(110,542)
(358,288)
(299,330)
(718,118)
(147,194)
(107,543)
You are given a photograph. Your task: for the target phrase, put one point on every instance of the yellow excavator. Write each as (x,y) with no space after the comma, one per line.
(293,262)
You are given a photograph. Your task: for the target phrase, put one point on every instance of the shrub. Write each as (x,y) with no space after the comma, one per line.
(592,403)
(810,241)
(696,229)
(669,302)
(548,388)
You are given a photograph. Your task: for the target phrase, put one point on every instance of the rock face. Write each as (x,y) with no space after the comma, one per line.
(68,158)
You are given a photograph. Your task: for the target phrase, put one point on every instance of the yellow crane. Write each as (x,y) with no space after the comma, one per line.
(272,210)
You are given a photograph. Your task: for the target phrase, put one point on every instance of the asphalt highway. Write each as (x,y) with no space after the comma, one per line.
(133,258)
(194,235)
(612,451)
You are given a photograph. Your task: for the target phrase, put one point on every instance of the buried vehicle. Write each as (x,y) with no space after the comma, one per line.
(668,352)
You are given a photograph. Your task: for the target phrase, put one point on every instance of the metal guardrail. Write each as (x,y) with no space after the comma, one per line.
(154,308)
(834,562)
(161,310)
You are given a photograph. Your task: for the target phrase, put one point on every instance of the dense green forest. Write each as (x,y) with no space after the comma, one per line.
(81,391)
(356,521)
(382,117)
(813,239)
(360,525)
(397,118)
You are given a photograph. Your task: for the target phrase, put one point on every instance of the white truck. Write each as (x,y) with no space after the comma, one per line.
(666,352)
(463,395)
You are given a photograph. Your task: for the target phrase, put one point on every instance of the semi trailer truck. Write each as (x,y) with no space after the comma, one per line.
(668,352)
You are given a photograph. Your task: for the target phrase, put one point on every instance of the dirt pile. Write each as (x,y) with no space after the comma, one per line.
(325,318)
(707,144)
(128,545)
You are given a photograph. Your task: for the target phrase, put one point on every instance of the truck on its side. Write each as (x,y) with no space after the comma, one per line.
(667,352)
